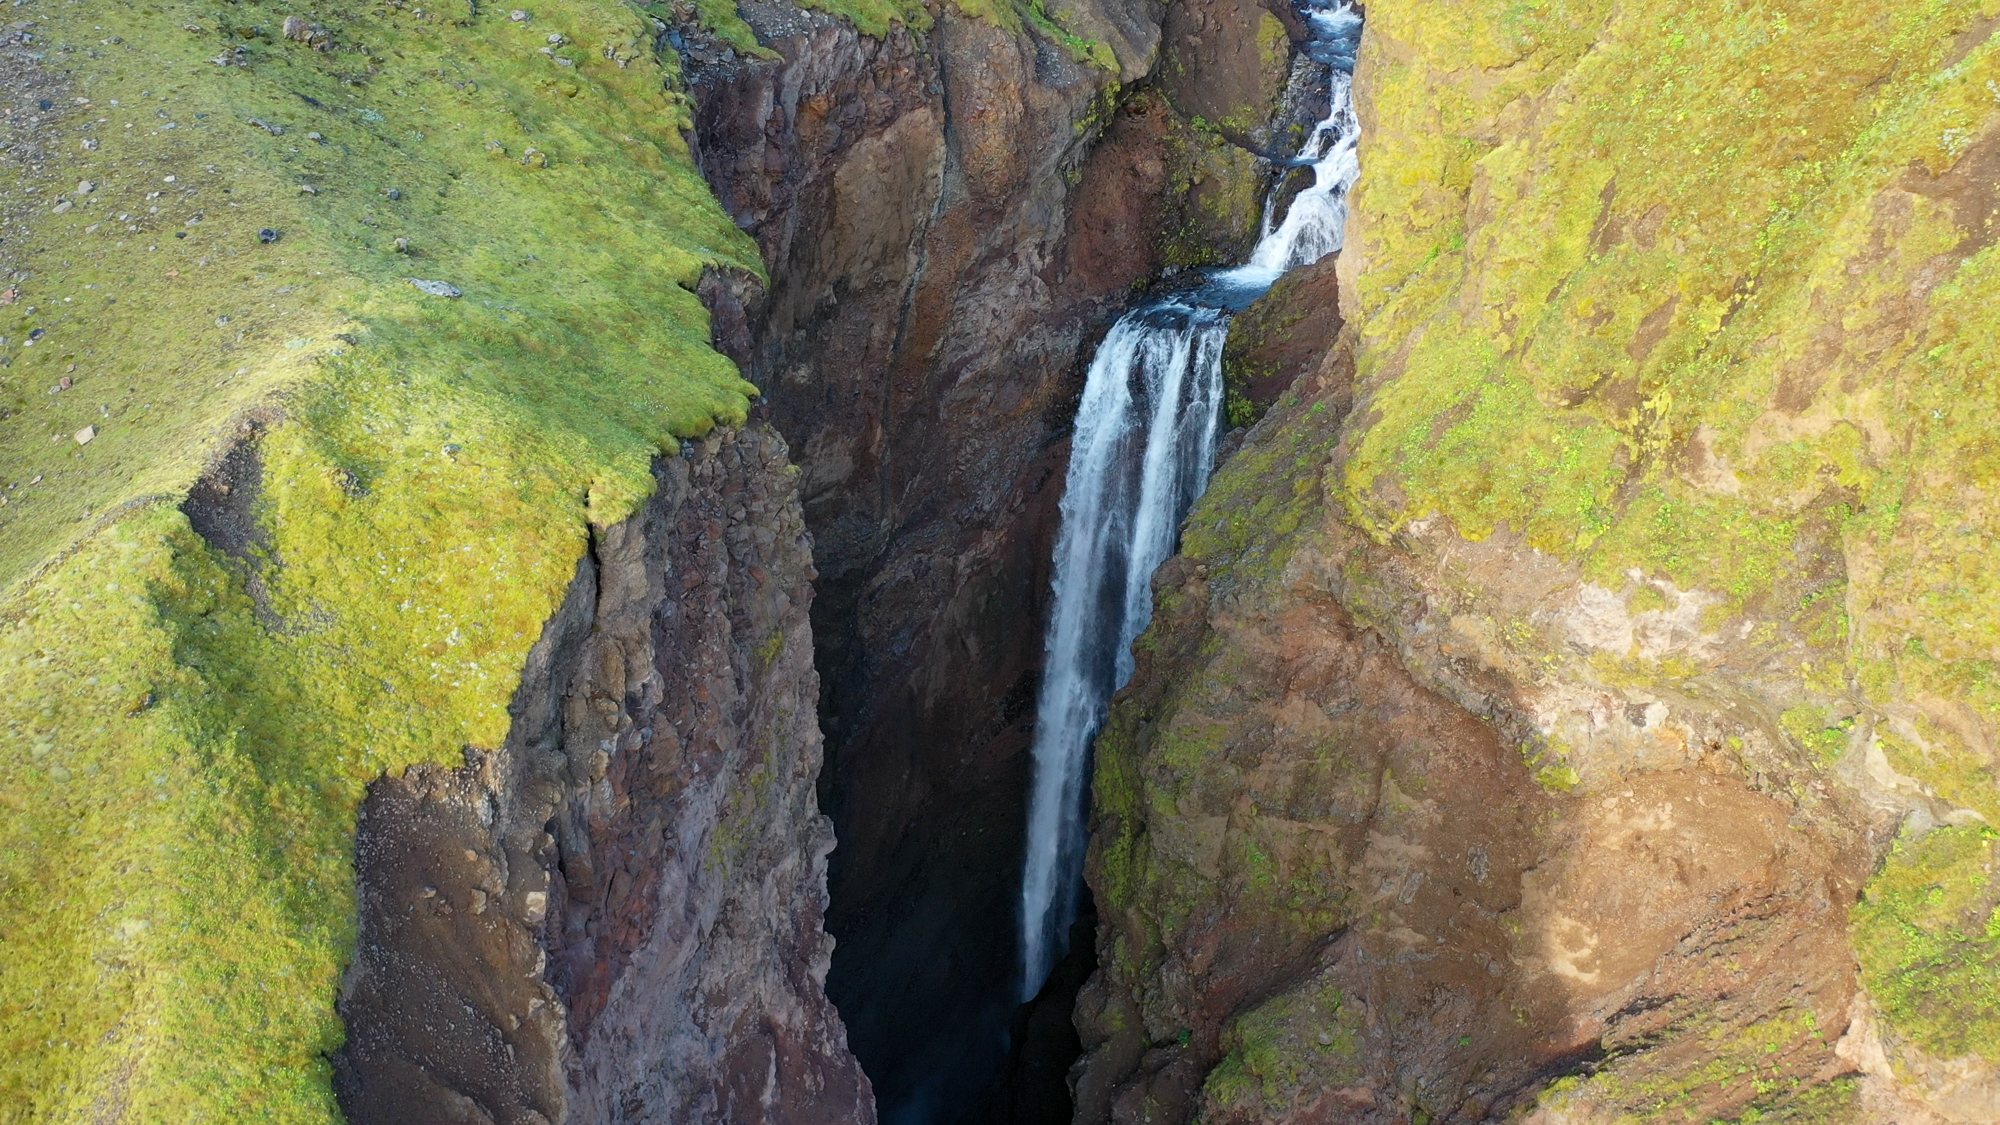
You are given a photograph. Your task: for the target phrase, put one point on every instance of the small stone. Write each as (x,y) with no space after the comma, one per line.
(296,28)
(274,130)
(267,235)
(495,148)
(535,158)
(308,189)
(316,138)
(478,902)
(65,383)
(402,246)
(90,144)
(435,288)
(429,892)
(85,187)
(519,16)
(86,435)
(222,322)
(63,207)
(10,294)
(394,194)
(451,450)
(556,39)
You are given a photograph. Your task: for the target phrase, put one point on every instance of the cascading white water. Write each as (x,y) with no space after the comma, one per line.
(1144,446)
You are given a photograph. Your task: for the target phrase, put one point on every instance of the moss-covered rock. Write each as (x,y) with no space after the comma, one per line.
(1667,460)
(1697,298)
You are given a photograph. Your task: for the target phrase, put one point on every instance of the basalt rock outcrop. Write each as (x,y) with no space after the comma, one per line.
(616,916)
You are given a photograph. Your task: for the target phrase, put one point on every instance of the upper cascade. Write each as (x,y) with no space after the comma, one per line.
(1145,442)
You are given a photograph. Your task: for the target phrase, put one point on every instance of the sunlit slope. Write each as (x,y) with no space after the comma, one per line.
(180,763)
(1707,296)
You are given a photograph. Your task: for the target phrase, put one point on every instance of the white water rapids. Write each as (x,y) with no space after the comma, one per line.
(1145,440)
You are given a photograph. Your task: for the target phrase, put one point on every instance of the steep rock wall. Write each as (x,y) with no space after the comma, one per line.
(950,216)
(919,343)
(616,916)
(1565,709)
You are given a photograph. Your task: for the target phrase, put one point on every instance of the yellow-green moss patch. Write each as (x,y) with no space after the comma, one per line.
(1928,937)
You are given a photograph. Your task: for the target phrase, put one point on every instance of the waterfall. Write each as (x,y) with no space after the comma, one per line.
(1144,446)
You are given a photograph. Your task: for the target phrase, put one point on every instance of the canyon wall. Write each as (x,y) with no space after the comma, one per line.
(950,216)
(617,915)
(1571,705)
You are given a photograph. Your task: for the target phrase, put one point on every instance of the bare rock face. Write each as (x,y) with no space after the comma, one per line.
(940,253)
(616,916)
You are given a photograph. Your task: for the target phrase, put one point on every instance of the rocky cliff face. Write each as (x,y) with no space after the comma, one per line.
(950,217)
(1556,714)
(616,916)
(919,339)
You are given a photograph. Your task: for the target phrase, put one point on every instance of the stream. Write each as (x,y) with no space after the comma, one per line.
(1147,428)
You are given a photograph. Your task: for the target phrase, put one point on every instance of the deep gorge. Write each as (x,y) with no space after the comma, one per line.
(573,506)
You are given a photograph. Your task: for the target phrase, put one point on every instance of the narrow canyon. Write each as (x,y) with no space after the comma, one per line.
(1114,562)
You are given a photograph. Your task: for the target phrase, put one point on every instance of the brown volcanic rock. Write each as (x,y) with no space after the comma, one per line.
(617,916)
(950,219)
(1287,333)
(935,279)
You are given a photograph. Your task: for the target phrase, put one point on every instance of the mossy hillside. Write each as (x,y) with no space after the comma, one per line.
(182,761)
(1551,321)
(1055,22)
(1928,936)
(1706,294)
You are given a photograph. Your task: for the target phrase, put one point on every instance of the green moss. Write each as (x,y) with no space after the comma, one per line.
(1822,735)
(1705,294)
(1928,939)
(1751,1068)
(1305,1040)
(1957,773)
(183,760)
(1213,196)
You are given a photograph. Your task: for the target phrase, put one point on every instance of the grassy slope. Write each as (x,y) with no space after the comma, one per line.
(1605,248)
(179,767)
(179,762)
